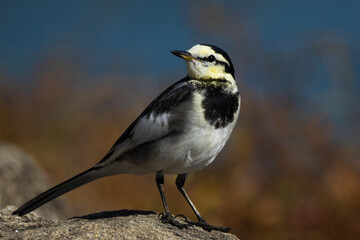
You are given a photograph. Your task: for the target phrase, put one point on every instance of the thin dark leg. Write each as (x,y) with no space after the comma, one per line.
(180,181)
(160,182)
(166,217)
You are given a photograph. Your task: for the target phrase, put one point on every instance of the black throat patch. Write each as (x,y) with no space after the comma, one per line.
(220,106)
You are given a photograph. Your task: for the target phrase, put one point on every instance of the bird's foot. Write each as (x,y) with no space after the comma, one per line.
(169,218)
(204,225)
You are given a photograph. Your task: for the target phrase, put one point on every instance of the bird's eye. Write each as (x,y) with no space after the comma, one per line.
(211,58)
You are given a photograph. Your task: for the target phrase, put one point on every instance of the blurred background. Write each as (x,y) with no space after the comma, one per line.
(75,74)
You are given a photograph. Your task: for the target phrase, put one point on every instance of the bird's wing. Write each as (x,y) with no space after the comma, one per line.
(153,123)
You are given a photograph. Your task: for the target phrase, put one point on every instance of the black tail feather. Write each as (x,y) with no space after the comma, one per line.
(77,181)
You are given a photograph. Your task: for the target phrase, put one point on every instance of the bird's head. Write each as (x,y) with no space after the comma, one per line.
(206,61)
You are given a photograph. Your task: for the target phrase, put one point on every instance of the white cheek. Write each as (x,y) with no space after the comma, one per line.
(196,69)
(192,65)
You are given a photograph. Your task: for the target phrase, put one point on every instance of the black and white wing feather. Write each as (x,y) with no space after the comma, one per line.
(153,123)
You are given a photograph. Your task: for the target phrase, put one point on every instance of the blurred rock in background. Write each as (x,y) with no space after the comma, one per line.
(22,179)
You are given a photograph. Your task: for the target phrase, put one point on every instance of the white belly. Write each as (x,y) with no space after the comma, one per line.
(193,153)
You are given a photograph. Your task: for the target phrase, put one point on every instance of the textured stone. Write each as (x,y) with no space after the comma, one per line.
(124,224)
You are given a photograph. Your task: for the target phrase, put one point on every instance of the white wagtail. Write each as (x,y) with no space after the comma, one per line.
(181,131)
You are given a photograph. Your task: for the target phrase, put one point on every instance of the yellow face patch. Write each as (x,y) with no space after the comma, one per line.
(215,69)
(214,72)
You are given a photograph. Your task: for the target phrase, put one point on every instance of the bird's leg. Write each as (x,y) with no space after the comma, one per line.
(166,217)
(180,181)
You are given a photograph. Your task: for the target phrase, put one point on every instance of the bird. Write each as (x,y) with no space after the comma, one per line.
(179,132)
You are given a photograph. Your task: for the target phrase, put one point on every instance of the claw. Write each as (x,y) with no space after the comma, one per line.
(169,218)
(207,227)
(184,217)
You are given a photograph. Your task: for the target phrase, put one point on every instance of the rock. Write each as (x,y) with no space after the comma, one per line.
(124,224)
(21,179)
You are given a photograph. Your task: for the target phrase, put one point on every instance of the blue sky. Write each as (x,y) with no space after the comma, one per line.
(141,33)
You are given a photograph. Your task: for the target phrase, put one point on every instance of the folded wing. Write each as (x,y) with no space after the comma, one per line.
(153,123)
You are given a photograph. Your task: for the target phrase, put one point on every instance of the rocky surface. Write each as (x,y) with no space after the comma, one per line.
(21,179)
(125,224)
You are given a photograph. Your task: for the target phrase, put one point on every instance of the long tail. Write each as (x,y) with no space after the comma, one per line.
(77,181)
